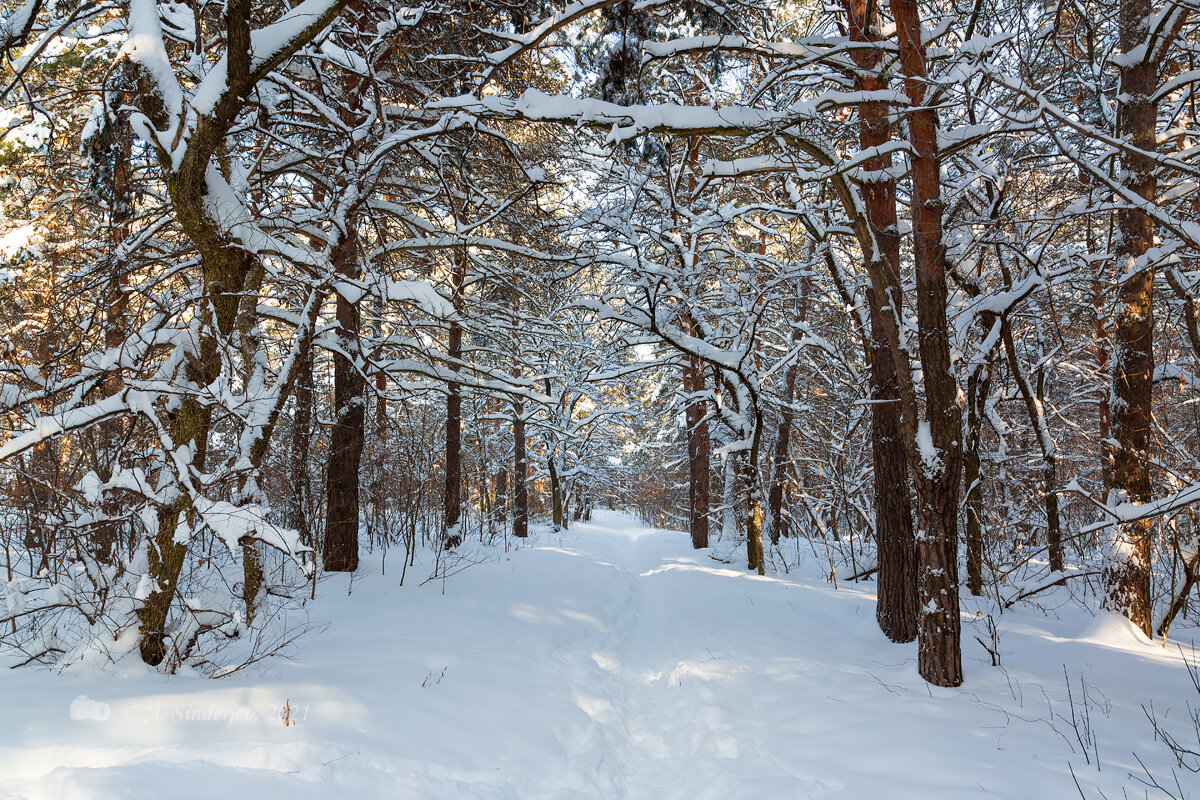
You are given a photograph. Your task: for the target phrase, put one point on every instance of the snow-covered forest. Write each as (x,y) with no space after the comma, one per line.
(849,349)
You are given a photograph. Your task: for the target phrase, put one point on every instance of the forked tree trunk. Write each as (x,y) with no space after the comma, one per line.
(222,266)
(896,609)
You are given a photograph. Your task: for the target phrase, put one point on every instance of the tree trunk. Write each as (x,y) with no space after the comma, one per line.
(1127,571)
(454,351)
(1037,418)
(298,503)
(224,268)
(349,419)
(896,608)
(520,462)
(939,436)
(520,475)
(556,498)
(699,450)
(784,436)
(977,391)
(754,509)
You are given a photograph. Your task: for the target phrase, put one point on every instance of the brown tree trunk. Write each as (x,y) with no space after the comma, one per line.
(520,462)
(454,352)
(939,439)
(1127,571)
(896,609)
(977,391)
(699,453)
(754,510)
(1037,418)
(520,475)
(556,498)
(116,300)
(298,503)
(340,552)
(224,269)
(784,436)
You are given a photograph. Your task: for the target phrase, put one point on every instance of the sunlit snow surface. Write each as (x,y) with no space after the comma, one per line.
(609,661)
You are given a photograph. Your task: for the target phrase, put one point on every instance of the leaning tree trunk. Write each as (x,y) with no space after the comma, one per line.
(340,553)
(939,439)
(896,609)
(1037,418)
(1127,569)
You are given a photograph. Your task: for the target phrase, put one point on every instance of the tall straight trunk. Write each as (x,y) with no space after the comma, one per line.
(786,418)
(520,475)
(977,391)
(116,303)
(1127,570)
(520,461)
(500,488)
(896,609)
(699,453)
(939,438)
(1100,348)
(299,503)
(340,552)
(454,352)
(754,506)
(556,495)
(695,413)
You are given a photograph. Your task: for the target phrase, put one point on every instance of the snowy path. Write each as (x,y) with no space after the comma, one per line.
(607,662)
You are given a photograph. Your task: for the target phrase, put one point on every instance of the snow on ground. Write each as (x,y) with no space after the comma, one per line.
(609,661)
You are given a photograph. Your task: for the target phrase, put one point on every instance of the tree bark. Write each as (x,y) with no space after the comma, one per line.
(699,453)
(299,502)
(340,553)
(1127,570)
(556,498)
(939,444)
(786,418)
(454,352)
(977,391)
(896,608)
(754,509)
(520,462)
